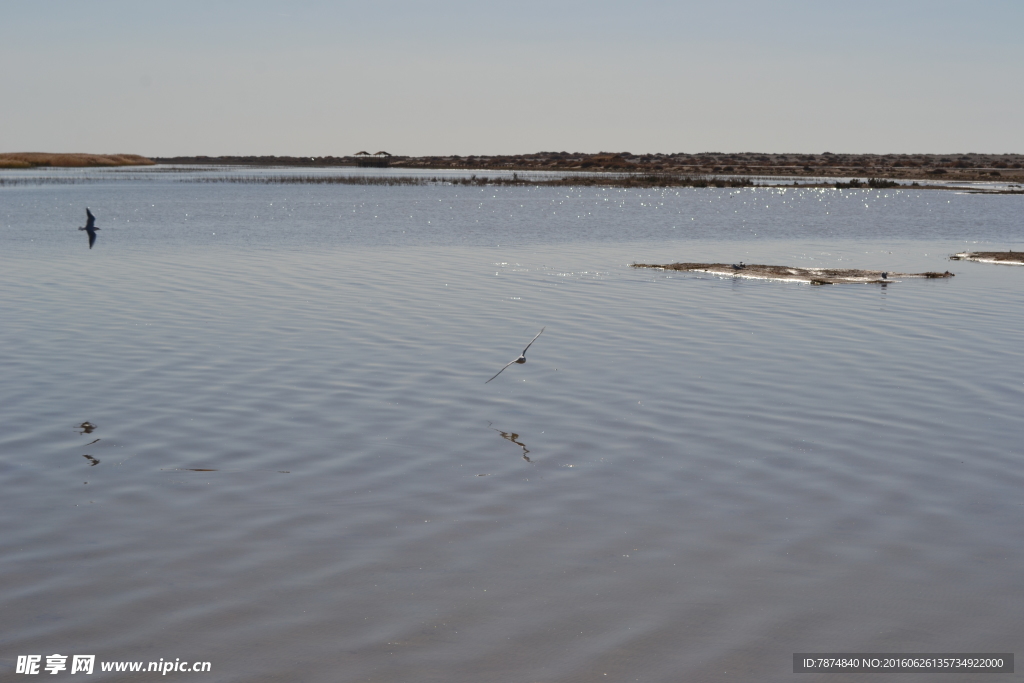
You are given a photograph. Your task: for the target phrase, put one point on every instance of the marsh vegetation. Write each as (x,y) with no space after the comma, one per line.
(814,276)
(1006,167)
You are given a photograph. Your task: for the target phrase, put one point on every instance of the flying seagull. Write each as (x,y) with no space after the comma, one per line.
(90,227)
(522,356)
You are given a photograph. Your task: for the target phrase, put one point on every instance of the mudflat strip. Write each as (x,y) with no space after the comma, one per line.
(1013,258)
(814,276)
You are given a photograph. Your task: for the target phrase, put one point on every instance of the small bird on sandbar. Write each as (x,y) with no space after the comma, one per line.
(90,227)
(522,356)
(739,267)
(885,275)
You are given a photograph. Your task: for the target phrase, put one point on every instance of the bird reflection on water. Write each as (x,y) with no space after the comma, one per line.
(514,438)
(211,469)
(88,428)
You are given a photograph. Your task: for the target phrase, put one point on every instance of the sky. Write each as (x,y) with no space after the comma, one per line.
(441,77)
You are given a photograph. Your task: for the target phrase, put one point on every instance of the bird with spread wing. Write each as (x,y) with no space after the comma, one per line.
(522,356)
(90,226)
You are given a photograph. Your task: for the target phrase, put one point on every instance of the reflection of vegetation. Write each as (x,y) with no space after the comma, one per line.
(588,180)
(70,180)
(871,182)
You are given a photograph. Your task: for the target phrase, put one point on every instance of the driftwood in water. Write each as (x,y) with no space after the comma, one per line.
(1015,258)
(815,276)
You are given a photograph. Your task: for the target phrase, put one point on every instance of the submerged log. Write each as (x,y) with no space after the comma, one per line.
(1015,258)
(814,276)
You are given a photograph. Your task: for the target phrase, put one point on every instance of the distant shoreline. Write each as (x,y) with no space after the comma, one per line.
(965,167)
(74,160)
(629,169)
(597,179)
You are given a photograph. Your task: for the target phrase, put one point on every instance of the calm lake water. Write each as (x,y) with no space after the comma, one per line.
(297,472)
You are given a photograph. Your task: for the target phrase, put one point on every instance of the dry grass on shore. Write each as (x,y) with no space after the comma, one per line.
(36,159)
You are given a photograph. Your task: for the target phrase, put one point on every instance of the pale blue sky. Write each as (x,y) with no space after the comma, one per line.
(320,78)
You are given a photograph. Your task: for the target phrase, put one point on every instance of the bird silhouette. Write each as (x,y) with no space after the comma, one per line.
(522,356)
(885,275)
(90,227)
